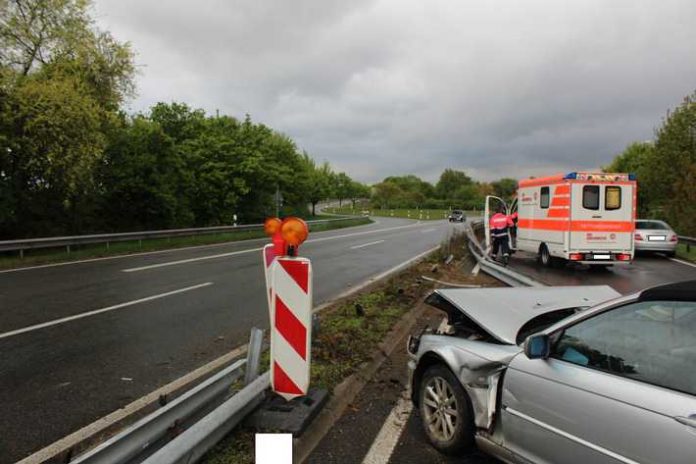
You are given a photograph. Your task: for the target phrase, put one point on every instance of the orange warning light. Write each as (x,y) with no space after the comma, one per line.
(294,231)
(272,226)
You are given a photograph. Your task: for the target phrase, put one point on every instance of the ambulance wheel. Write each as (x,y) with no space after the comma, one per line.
(545,257)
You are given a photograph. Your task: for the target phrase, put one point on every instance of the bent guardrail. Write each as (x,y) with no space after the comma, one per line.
(502,273)
(74,240)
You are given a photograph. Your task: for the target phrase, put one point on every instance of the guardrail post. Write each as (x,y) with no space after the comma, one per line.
(67,248)
(253,355)
(21,253)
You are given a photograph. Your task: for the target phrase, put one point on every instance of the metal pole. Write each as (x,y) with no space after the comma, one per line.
(253,355)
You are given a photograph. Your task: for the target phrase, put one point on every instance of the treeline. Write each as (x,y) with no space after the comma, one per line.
(71,161)
(666,169)
(454,189)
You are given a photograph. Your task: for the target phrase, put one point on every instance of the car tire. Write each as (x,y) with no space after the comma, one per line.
(545,258)
(445,410)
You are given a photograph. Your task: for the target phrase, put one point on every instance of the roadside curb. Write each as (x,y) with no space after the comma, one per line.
(346,392)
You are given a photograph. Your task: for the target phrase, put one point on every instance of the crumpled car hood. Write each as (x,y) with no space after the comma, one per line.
(502,312)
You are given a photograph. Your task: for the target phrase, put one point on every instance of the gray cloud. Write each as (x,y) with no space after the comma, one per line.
(383,87)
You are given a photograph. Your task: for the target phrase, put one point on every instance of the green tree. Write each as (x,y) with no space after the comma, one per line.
(386,195)
(450,182)
(504,188)
(667,173)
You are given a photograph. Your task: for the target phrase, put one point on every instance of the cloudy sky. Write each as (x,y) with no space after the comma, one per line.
(389,87)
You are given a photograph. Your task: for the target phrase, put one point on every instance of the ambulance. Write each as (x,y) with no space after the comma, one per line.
(585,217)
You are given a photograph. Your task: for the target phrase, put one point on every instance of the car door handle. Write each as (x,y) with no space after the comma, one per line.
(690,421)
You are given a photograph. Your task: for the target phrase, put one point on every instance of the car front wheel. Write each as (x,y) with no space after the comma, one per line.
(445,410)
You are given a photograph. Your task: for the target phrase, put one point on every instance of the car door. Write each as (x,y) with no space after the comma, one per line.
(619,386)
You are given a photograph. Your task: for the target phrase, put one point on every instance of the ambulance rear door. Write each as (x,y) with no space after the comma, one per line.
(602,216)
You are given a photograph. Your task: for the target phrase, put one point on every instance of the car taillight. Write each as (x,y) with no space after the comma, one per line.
(637,236)
(576,256)
(674,238)
(623,257)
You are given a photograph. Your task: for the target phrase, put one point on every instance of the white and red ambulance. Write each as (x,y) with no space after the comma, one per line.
(585,217)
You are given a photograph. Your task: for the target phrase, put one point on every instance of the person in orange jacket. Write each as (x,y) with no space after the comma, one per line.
(499,224)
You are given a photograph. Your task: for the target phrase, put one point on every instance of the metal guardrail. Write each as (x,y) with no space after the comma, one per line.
(502,273)
(157,438)
(689,241)
(68,241)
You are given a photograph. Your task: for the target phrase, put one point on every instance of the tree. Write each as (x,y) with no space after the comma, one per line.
(341,187)
(318,181)
(450,182)
(386,194)
(58,38)
(666,174)
(357,191)
(504,188)
(61,83)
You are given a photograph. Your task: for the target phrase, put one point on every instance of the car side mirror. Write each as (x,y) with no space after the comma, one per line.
(537,346)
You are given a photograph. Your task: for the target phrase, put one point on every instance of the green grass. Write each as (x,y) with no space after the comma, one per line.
(425,214)
(10,260)
(684,254)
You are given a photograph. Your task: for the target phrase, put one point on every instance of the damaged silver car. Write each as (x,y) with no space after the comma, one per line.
(561,374)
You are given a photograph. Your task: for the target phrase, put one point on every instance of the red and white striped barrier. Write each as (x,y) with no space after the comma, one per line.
(291,325)
(269,256)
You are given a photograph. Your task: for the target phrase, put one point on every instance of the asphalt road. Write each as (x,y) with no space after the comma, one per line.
(645,271)
(56,379)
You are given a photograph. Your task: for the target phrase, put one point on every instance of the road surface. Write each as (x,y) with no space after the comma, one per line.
(147,320)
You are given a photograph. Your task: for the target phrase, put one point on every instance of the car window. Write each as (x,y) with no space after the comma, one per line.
(653,342)
(612,198)
(590,197)
(544,197)
(653,225)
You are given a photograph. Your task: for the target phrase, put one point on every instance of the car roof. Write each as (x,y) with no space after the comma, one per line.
(677,291)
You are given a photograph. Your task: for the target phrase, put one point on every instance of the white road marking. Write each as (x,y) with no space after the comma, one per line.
(191,260)
(685,263)
(63,320)
(366,244)
(240,252)
(382,448)
(428,230)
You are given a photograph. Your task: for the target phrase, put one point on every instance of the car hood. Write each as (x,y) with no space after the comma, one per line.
(501,312)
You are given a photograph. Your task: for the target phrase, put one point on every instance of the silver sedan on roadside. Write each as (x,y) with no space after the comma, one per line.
(536,375)
(654,235)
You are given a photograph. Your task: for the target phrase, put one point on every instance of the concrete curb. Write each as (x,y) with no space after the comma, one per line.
(346,392)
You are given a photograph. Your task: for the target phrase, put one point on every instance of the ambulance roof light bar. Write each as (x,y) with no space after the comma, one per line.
(602,176)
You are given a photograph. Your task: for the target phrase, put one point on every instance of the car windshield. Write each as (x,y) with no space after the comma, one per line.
(456,211)
(651,225)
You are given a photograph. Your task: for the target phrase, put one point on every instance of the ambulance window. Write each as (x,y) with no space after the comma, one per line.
(612,198)
(590,197)
(544,198)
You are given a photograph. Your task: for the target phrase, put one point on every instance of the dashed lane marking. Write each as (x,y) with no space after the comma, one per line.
(366,244)
(63,320)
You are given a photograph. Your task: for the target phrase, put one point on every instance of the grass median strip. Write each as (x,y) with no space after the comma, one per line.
(11,260)
(687,254)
